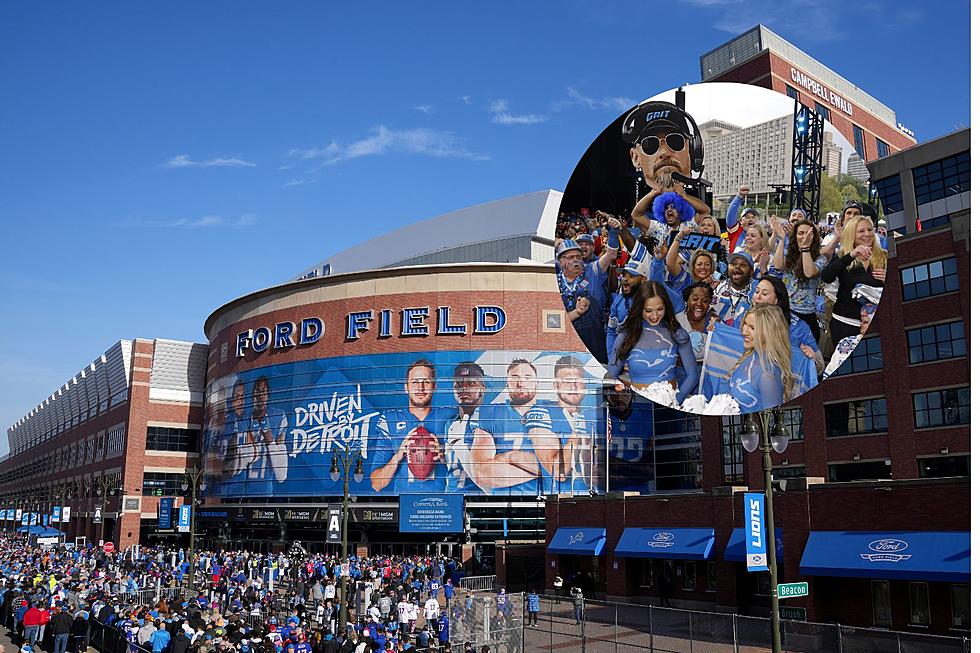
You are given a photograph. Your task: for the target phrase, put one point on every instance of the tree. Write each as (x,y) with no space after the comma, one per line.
(830,196)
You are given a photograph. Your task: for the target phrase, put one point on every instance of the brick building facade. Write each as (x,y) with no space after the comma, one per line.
(119,435)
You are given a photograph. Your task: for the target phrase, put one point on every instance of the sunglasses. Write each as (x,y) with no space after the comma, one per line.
(651,144)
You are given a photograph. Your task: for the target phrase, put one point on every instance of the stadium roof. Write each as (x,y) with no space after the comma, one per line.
(475,234)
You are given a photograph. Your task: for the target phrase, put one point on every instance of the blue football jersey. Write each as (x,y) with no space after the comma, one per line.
(393,427)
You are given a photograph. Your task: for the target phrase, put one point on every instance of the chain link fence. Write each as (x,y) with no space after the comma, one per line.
(495,621)
(603,627)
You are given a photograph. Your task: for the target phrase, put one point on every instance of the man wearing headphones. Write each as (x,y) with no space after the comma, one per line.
(664,140)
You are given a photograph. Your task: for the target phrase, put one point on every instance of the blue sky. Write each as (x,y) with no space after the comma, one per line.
(160,159)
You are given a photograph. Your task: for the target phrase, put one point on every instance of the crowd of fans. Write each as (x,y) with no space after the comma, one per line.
(644,291)
(151,600)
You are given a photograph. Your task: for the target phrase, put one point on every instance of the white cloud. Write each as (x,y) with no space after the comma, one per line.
(206,221)
(500,112)
(184,161)
(466,99)
(425,108)
(576,97)
(422,141)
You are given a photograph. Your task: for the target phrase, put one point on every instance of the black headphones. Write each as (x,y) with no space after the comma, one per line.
(693,133)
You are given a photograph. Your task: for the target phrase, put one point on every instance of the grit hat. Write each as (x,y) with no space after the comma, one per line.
(566,246)
(651,117)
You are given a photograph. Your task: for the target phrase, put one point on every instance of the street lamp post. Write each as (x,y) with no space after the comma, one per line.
(774,437)
(194,482)
(343,459)
(105,486)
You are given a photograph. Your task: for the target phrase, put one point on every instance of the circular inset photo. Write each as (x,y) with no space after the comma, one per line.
(713,253)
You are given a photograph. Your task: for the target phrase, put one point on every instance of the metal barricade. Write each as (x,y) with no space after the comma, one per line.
(478,583)
(495,621)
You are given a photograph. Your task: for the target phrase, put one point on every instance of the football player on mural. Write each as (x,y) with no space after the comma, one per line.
(408,455)
(575,426)
(469,388)
(267,433)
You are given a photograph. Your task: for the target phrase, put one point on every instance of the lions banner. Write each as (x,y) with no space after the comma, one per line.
(457,422)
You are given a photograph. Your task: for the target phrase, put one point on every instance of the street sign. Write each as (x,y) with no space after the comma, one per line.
(792,614)
(791,590)
(108,547)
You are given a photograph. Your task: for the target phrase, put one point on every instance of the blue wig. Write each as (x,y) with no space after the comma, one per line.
(681,205)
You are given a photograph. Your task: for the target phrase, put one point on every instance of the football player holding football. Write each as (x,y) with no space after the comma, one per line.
(408,456)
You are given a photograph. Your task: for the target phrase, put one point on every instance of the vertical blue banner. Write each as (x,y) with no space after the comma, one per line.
(24,519)
(755,532)
(165,516)
(56,514)
(184,519)
(34,517)
(45,519)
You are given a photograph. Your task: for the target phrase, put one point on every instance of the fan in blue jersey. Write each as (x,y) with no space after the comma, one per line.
(733,296)
(574,424)
(771,290)
(583,288)
(401,429)
(267,432)
(763,376)
(651,343)
(522,453)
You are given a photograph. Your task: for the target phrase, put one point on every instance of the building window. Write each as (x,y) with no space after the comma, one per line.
(162,484)
(949,407)
(793,421)
(788,471)
(943,178)
(731,451)
(690,575)
(960,597)
(859,143)
(761,584)
(649,576)
(865,357)
(881,598)
(872,470)
(161,438)
(889,191)
(944,466)
(919,604)
(713,583)
(927,279)
(936,342)
(821,111)
(883,149)
(856,417)
(677,449)
(932,223)
(792,92)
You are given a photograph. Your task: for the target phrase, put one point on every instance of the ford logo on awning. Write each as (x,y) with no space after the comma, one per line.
(661,540)
(887,550)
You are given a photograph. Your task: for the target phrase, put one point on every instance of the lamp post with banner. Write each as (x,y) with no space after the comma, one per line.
(194,481)
(341,462)
(774,437)
(104,487)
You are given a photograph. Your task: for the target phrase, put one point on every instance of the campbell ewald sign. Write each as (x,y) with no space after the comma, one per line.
(430,513)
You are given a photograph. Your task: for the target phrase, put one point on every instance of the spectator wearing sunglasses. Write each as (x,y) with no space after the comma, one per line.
(661,141)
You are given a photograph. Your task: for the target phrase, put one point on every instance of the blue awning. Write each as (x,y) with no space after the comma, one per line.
(735,551)
(897,555)
(578,541)
(668,543)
